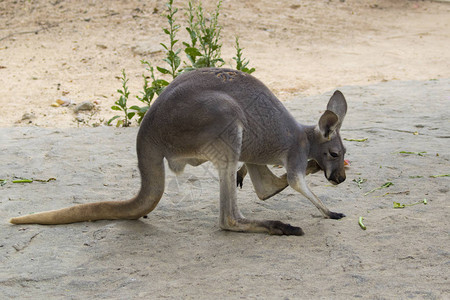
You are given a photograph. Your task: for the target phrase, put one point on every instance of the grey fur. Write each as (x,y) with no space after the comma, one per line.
(224,116)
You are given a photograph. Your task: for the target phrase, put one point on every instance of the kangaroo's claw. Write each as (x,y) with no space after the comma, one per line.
(336,216)
(280,228)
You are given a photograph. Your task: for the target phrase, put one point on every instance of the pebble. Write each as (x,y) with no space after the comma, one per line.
(28,116)
(64,101)
(86,105)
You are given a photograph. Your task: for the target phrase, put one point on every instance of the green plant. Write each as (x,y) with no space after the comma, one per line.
(241,63)
(205,31)
(121,104)
(203,50)
(147,96)
(172,57)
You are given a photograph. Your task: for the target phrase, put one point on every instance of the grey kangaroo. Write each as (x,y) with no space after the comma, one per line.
(226,117)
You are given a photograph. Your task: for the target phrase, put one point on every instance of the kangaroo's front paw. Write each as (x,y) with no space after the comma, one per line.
(335,215)
(280,228)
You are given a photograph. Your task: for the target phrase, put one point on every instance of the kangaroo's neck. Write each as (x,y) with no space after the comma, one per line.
(309,131)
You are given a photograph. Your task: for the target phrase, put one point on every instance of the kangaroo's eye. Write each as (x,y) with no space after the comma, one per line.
(334,154)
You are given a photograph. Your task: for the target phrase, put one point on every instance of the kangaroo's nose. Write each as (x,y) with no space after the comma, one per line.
(337,178)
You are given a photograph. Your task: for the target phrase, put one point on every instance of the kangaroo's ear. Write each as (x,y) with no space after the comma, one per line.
(338,105)
(328,123)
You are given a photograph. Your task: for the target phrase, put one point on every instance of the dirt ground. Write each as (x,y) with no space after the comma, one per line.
(389,58)
(77,49)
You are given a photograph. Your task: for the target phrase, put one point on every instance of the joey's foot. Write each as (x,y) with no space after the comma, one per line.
(280,228)
(335,215)
(239,180)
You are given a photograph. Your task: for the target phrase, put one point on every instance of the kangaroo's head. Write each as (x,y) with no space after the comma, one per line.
(326,146)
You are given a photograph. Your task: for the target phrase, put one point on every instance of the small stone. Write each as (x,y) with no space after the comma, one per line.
(86,105)
(146,48)
(28,116)
(55,104)
(64,101)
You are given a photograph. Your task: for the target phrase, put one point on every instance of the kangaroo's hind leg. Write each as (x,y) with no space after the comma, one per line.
(224,153)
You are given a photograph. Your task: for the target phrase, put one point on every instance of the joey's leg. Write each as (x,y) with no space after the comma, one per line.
(265,182)
(241,173)
(297,182)
(195,161)
(313,167)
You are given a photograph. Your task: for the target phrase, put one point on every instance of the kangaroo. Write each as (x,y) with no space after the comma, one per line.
(226,117)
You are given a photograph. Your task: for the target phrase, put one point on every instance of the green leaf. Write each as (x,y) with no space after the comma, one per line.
(162,70)
(356,140)
(122,101)
(161,82)
(112,119)
(359,181)
(399,205)
(176,62)
(361,224)
(201,62)
(386,185)
(135,107)
(23,180)
(164,46)
(249,71)
(410,152)
(442,175)
(130,115)
(193,52)
(114,107)
(144,109)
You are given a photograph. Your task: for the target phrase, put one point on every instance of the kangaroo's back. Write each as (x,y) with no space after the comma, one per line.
(197,99)
(246,90)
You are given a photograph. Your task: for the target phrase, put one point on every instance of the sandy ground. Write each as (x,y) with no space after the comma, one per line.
(77,49)
(388,57)
(180,252)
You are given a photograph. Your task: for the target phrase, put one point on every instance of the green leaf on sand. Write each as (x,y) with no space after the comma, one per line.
(361,224)
(401,205)
(386,185)
(356,140)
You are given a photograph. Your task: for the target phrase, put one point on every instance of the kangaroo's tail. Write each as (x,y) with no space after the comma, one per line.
(152,189)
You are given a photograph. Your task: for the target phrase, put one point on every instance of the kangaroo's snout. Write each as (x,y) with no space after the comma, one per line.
(337,177)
